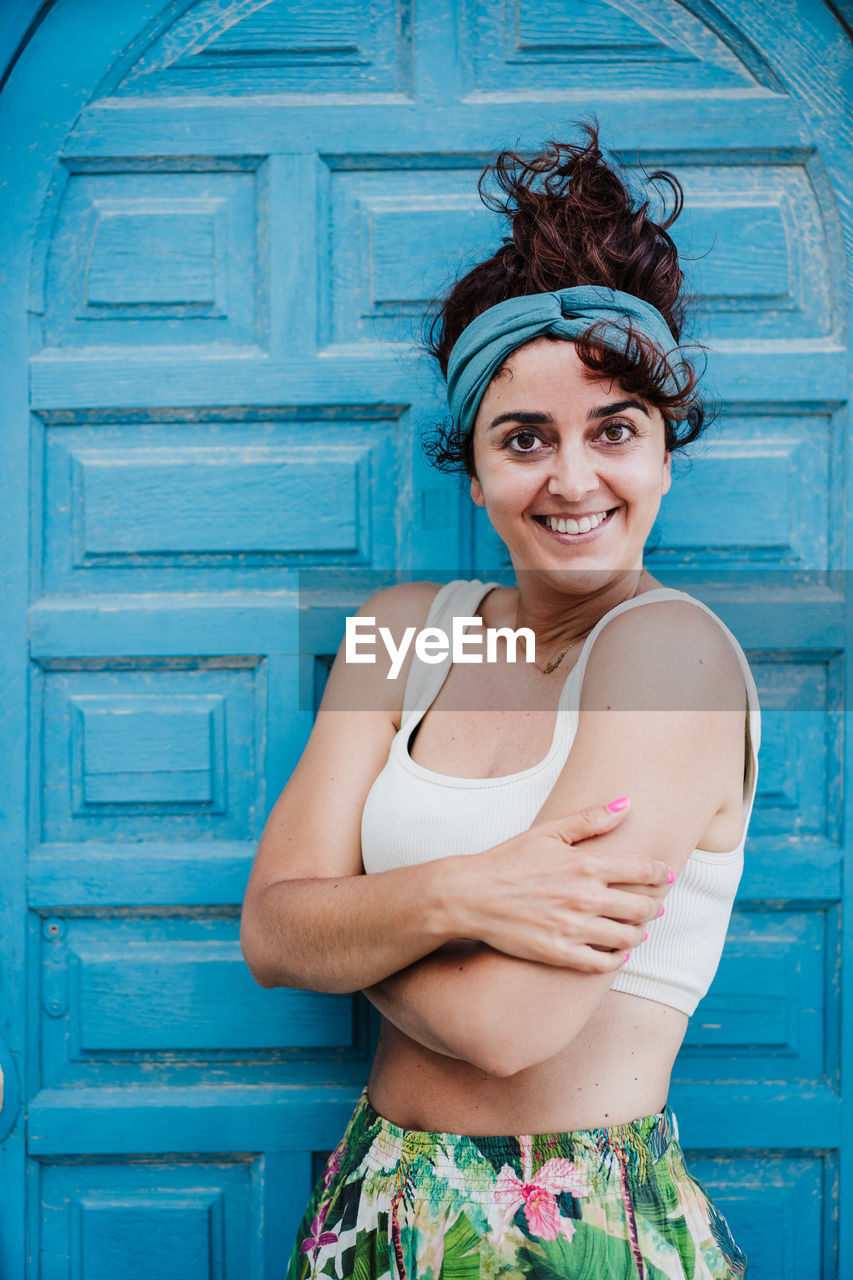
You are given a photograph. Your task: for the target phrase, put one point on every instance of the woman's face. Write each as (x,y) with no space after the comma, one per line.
(552,443)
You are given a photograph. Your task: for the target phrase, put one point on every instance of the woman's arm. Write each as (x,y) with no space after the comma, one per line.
(674,753)
(312,918)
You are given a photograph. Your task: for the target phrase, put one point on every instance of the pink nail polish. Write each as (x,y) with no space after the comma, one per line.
(645,935)
(670,878)
(662,909)
(627,958)
(616,805)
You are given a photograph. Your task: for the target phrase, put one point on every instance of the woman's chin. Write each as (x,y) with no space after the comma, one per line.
(576,580)
(584,575)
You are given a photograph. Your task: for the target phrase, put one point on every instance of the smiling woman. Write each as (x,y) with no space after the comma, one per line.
(578,457)
(579,523)
(450,849)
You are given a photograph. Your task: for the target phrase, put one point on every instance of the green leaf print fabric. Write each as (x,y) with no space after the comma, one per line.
(401,1204)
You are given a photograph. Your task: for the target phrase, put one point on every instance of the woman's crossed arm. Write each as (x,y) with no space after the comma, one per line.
(661,721)
(312,919)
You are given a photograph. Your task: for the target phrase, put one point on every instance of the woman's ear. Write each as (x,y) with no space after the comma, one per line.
(477,492)
(667,473)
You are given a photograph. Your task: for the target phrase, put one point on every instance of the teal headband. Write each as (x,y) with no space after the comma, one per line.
(486,342)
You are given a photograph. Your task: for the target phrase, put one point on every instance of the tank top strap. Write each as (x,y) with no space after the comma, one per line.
(459,598)
(570,697)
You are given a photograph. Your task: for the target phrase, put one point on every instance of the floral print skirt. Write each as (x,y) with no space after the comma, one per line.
(592,1204)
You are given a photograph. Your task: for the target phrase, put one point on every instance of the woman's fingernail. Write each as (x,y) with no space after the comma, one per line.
(662,909)
(670,878)
(627,958)
(645,935)
(616,805)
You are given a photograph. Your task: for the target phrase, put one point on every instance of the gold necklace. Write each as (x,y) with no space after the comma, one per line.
(552,666)
(555,662)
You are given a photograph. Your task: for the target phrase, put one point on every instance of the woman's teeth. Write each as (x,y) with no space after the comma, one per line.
(575,526)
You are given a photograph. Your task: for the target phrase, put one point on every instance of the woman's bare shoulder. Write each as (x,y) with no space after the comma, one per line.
(314,826)
(366,686)
(402,604)
(669,654)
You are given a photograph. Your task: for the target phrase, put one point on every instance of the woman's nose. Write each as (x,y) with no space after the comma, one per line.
(574,475)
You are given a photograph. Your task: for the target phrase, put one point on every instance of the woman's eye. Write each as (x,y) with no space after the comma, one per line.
(617,427)
(523,441)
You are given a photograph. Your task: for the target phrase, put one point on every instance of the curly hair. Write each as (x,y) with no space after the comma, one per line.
(574,221)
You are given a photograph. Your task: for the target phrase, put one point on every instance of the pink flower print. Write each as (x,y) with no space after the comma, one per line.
(318,1236)
(334,1164)
(538,1194)
(540,1209)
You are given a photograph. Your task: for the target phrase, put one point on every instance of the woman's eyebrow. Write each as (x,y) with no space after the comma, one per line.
(543,419)
(604,409)
(526,419)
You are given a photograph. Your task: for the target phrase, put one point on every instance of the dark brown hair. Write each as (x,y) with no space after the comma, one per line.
(574,221)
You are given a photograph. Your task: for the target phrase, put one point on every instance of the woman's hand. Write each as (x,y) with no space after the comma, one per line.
(539,896)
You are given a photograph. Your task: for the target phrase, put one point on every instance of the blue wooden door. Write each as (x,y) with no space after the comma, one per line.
(221,224)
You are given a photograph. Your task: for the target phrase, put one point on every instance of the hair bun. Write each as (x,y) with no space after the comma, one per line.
(574,220)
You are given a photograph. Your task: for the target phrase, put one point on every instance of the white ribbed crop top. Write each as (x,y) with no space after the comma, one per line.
(412,814)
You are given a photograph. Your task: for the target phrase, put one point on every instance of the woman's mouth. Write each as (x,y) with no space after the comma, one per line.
(586,530)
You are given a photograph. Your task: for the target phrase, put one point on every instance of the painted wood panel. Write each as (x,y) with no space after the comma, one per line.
(148,258)
(281,46)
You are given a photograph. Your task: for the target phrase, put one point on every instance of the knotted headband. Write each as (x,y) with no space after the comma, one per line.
(486,342)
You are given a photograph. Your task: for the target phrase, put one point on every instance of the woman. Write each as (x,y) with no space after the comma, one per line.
(535,971)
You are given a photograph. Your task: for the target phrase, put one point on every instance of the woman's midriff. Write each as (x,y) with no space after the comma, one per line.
(614,1071)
